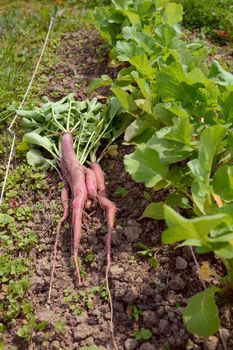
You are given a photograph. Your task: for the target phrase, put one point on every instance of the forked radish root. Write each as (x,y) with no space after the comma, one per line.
(85,184)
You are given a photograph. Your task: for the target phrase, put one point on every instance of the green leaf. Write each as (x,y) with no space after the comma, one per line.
(201,314)
(144,166)
(208,147)
(173,13)
(137,128)
(143,65)
(154,211)
(180,228)
(223,182)
(127,50)
(35,157)
(125,99)
(5,219)
(35,139)
(165,35)
(98,82)
(169,151)
(178,200)
(175,85)
(143,334)
(219,75)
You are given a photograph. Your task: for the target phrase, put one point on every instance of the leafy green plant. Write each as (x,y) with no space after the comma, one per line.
(143,334)
(135,312)
(145,251)
(121,191)
(182,131)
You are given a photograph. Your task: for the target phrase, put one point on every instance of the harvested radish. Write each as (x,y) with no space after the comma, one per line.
(81,125)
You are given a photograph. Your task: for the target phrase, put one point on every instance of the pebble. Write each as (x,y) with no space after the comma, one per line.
(131,344)
(83,331)
(120,289)
(225,334)
(132,233)
(55,345)
(147,346)
(210,343)
(163,326)
(131,296)
(181,263)
(148,290)
(160,311)
(149,318)
(116,272)
(177,283)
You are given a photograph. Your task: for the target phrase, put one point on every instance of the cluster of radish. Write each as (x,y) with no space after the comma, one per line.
(66,135)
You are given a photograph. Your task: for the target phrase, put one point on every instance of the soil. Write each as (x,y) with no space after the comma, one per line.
(143,296)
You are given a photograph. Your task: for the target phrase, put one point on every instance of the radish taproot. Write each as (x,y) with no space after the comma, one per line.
(82,125)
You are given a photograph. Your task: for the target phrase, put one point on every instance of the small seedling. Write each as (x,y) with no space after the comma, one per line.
(121,191)
(135,312)
(143,334)
(150,252)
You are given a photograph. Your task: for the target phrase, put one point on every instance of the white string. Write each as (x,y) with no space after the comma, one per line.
(197,265)
(11,131)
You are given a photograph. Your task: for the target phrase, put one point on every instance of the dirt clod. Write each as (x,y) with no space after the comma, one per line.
(177,283)
(211,343)
(131,344)
(181,263)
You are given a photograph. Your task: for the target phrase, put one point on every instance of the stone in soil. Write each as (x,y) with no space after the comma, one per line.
(211,343)
(131,344)
(181,263)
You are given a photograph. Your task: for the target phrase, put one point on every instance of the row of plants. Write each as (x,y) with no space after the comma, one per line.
(182,132)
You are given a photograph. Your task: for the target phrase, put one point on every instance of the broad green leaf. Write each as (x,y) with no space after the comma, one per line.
(127,50)
(164,35)
(181,131)
(201,194)
(166,112)
(98,82)
(154,211)
(180,228)
(122,4)
(143,334)
(201,314)
(142,84)
(142,39)
(174,85)
(144,166)
(169,151)
(35,158)
(137,128)
(5,219)
(177,200)
(225,252)
(219,75)
(143,65)
(132,16)
(208,147)
(223,182)
(173,13)
(125,99)
(35,139)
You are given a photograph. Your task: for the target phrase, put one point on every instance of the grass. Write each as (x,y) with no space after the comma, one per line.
(23,29)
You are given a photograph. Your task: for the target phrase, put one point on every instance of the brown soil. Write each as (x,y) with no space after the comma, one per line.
(155,295)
